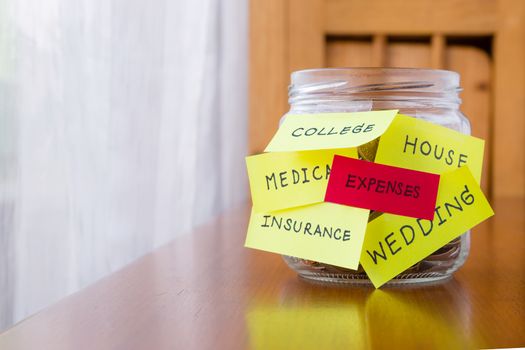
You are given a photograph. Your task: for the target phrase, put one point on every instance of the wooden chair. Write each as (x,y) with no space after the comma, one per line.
(484,40)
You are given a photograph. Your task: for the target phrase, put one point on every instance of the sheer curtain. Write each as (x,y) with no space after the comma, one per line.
(122,125)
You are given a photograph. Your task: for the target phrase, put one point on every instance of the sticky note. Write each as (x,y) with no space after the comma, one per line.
(324,232)
(289,179)
(420,145)
(383,188)
(394,243)
(301,132)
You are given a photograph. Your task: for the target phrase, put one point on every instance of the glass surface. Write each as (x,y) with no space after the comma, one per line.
(426,94)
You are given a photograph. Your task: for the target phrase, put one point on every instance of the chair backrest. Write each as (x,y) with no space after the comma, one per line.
(484,40)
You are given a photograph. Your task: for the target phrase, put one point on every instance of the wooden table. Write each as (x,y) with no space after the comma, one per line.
(205,291)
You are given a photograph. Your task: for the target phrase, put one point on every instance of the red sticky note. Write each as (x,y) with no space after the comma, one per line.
(384,188)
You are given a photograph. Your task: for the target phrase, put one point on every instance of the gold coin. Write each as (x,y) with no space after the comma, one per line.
(368,150)
(374,215)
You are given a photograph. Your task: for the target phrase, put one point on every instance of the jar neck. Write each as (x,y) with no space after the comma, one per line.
(355,89)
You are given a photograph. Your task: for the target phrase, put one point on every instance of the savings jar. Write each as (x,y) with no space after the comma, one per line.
(431,95)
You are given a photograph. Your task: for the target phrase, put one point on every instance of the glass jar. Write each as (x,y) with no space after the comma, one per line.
(427,94)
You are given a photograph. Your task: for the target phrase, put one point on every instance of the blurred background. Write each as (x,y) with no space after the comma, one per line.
(124,124)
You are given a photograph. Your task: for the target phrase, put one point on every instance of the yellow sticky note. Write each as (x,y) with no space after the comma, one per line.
(393,243)
(290,179)
(300,132)
(324,232)
(420,145)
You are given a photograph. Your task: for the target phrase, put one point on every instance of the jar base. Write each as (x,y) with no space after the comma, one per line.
(359,280)
(434,269)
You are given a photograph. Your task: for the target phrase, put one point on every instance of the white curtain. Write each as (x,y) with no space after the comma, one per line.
(122,125)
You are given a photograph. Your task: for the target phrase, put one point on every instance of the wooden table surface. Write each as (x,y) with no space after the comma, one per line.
(205,291)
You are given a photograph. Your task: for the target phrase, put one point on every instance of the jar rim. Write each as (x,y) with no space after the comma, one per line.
(363,78)
(376,69)
(427,87)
